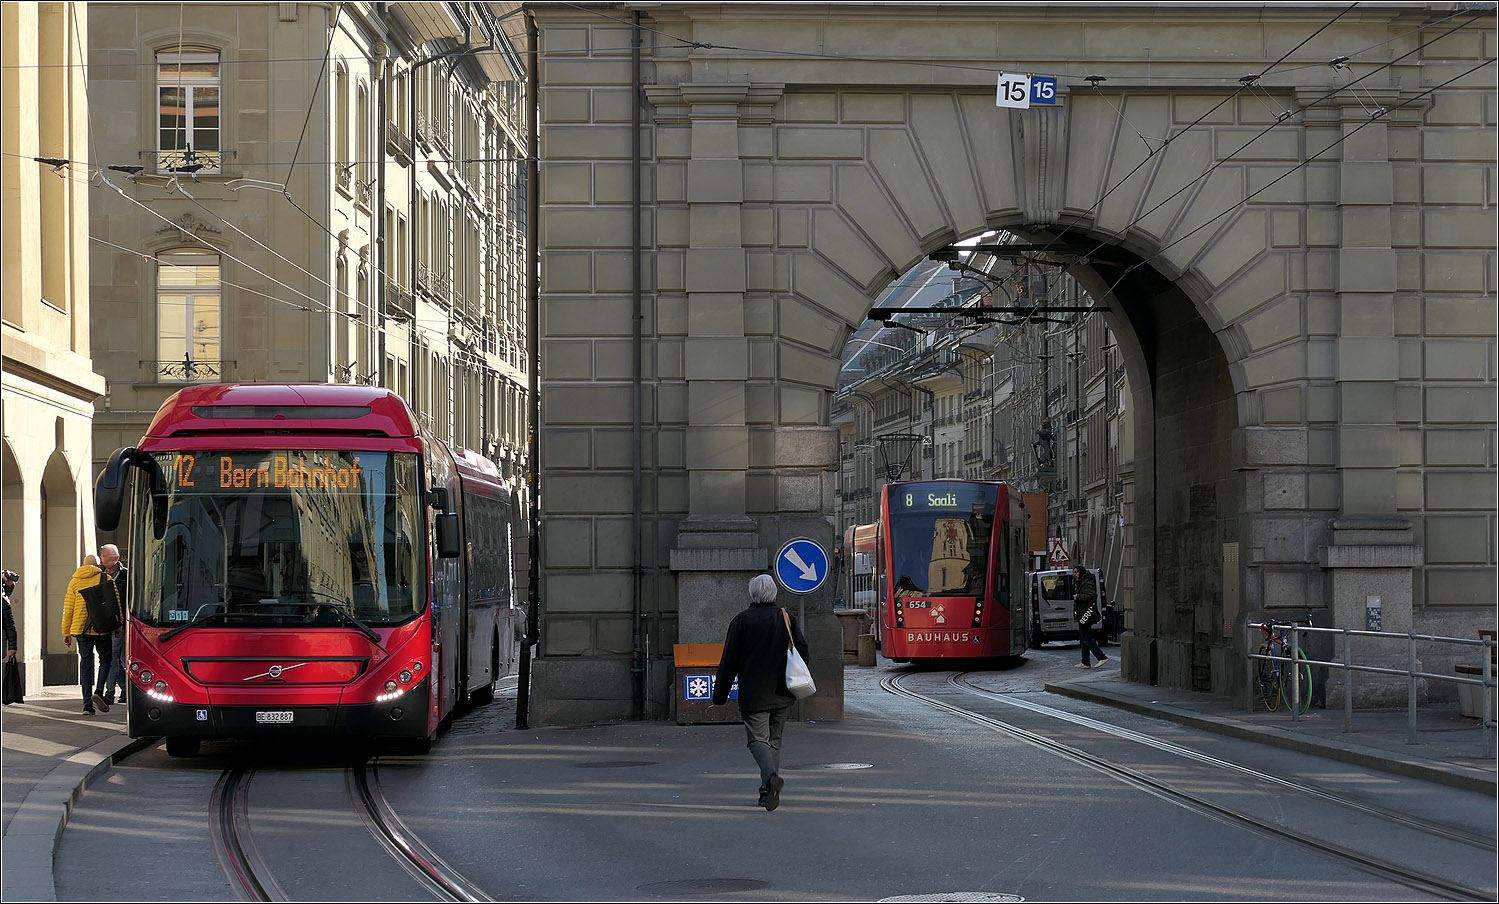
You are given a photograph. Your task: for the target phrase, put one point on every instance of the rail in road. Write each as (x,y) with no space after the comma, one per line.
(1401,832)
(231,822)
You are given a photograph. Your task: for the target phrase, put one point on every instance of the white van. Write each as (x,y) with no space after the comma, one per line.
(1051,616)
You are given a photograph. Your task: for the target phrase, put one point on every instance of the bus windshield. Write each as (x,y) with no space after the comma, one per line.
(939,537)
(279,538)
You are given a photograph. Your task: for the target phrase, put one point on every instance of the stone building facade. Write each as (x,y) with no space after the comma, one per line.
(314,192)
(47,379)
(1293,239)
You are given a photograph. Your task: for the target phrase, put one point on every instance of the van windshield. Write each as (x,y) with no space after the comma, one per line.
(1056,586)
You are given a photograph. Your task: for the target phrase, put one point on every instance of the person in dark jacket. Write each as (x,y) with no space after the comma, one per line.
(1085,609)
(10,621)
(14,693)
(115,572)
(755,651)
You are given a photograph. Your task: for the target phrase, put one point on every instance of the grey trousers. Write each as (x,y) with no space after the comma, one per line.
(764,732)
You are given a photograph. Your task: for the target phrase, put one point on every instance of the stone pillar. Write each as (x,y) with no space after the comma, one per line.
(716,353)
(1369,566)
(1369,351)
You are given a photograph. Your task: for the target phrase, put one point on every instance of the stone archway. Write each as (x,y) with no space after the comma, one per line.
(60,542)
(783,192)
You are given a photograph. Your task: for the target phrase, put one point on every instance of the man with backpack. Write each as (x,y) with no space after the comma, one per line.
(91,615)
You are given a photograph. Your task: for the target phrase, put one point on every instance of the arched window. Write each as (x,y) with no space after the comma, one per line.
(188,317)
(189,114)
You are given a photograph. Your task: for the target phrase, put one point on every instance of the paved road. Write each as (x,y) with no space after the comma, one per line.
(52,753)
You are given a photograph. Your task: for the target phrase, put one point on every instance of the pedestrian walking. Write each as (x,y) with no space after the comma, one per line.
(754,651)
(78,623)
(1085,610)
(114,572)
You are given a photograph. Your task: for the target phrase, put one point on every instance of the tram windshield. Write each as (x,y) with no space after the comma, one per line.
(282,538)
(939,537)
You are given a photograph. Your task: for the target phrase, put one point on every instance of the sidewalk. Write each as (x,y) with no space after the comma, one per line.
(1449,747)
(53,752)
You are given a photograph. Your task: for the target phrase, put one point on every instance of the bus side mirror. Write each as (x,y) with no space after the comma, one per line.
(448,542)
(109,489)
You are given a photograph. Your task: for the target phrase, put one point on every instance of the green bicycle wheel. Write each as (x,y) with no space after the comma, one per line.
(1287,692)
(1269,677)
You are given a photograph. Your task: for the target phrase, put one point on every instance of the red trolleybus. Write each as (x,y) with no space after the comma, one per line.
(306,559)
(951,570)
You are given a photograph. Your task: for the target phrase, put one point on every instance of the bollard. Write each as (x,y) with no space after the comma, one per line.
(866,650)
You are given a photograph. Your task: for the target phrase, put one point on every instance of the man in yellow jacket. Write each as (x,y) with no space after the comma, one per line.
(91,643)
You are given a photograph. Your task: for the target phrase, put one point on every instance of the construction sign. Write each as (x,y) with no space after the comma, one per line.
(1058,557)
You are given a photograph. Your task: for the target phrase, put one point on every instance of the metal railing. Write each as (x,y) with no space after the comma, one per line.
(1412,671)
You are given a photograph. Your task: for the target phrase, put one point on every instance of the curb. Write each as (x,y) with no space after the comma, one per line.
(1451,774)
(31,841)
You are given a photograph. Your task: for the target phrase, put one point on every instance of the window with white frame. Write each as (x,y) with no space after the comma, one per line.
(189,111)
(188,317)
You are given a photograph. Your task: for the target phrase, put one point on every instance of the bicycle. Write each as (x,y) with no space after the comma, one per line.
(1277,682)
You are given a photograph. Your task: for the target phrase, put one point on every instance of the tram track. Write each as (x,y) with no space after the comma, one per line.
(250,876)
(1431,827)
(1199,803)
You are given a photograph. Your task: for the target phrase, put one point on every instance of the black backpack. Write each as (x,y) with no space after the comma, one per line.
(102,602)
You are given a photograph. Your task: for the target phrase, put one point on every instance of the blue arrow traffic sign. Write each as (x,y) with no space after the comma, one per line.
(801,566)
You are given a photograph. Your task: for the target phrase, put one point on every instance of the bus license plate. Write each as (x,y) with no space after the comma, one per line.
(274,716)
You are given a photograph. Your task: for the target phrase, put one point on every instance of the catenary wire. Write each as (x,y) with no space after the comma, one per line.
(1281,120)
(1309,160)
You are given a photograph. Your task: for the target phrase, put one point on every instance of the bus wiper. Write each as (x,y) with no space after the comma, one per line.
(337,607)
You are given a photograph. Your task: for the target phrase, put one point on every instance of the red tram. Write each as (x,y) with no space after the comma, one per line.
(950,570)
(307,560)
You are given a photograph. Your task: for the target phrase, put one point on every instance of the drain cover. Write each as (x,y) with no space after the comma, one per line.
(690,887)
(828,766)
(985,896)
(615,764)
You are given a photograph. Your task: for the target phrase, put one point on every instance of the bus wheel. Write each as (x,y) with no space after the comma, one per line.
(182,746)
(485,695)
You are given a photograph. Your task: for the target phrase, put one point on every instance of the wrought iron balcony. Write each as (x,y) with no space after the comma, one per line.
(399,303)
(399,144)
(186,370)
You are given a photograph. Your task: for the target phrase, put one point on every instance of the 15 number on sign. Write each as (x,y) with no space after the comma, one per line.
(1014,91)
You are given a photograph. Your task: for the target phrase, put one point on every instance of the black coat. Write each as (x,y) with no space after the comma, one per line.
(1086,595)
(755,651)
(10,626)
(122,584)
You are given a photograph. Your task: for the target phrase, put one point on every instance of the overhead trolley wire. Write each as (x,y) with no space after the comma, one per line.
(1309,160)
(1231,156)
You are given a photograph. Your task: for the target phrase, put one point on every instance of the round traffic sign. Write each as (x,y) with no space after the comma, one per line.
(801,565)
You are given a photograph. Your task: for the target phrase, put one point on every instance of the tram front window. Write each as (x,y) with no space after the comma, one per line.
(939,536)
(280,538)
